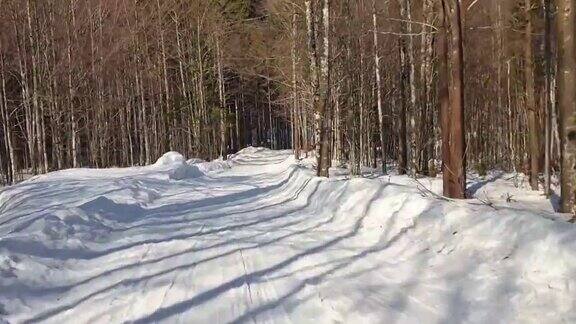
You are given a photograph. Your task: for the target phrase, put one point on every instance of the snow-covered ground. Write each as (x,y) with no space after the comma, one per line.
(260,239)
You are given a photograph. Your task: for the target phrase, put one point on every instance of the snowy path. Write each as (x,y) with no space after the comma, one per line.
(265,241)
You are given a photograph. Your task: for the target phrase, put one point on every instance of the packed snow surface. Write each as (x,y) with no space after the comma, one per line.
(258,238)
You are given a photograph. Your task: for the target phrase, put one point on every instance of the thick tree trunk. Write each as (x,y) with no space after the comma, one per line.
(547,98)
(567,101)
(319,75)
(444,101)
(325,92)
(456,171)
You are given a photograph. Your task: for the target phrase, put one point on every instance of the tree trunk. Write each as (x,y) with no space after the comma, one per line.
(412,110)
(183,91)
(402,140)
(426,126)
(6,117)
(533,133)
(378,87)
(4,166)
(444,101)
(295,114)
(319,88)
(71,104)
(567,101)
(547,99)
(325,90)
(222,97)
(456,170)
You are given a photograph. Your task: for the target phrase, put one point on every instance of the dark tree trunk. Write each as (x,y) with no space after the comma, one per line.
(455,175)
(402,144)
(532,114)
(567,101)
(547,98)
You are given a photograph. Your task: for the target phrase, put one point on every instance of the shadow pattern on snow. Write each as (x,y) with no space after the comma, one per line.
(340,240)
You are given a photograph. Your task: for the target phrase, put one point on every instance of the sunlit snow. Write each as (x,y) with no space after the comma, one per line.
(258,238)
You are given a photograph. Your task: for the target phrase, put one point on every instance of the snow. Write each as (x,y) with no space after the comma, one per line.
(258,238)
(170,158)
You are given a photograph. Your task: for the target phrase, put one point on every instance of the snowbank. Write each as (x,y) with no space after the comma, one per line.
(259,238)
(213,166)
(179,168)
(170,159)
(195,160)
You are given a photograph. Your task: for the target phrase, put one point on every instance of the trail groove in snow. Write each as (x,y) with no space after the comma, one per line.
(259,239)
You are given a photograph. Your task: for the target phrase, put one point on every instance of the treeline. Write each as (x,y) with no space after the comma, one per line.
(435,84)
(114,83)
(425,85)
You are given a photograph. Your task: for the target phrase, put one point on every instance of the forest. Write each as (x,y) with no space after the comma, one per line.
(288,161)
(420,86)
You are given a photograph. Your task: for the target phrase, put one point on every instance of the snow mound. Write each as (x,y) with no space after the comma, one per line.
(195,168)
(250,150)
(217,165)
(178,167)
(170,158)
(195,161)
(185,171)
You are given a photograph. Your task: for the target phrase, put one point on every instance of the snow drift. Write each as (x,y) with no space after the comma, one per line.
(179,168)
(259,238)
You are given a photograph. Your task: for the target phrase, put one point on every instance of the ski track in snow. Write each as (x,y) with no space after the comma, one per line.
(259,239)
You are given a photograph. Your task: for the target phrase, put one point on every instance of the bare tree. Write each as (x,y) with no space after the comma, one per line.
(533,129)
(378,87)
(567,101)
(455,147)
